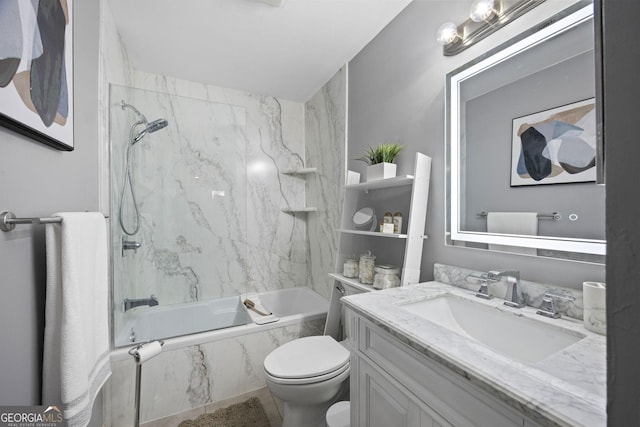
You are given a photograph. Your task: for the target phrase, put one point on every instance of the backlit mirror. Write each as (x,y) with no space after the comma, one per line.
(521,145)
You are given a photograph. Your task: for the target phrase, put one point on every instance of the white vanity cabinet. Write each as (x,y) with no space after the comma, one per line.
(383,402)
(393,384)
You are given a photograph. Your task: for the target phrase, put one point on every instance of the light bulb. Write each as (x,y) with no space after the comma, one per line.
(481,10)
(447,33)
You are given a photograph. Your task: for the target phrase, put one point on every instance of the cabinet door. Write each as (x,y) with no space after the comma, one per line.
(383,404)
(428,420)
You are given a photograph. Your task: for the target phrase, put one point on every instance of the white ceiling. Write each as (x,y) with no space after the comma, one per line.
(288,52)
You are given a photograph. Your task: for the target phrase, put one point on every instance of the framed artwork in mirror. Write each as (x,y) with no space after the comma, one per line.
(36,70)
(555,146)
(538,87)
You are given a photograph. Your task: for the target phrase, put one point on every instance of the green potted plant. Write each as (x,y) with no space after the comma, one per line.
(380,161)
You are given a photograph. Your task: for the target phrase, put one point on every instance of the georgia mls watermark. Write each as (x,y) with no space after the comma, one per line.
(31,416)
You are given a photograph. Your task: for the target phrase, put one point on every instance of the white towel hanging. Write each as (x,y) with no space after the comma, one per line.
(76,337)
(520,223)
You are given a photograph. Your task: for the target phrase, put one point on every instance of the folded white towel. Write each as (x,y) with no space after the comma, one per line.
(525,223)
(76,336)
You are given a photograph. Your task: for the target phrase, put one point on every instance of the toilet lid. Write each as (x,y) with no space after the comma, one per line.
(306,357)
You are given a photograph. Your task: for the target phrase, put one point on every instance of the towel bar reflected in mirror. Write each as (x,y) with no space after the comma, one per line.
(556,216)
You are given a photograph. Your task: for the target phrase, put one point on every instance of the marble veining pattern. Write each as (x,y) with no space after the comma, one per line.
(531,291)
(189,377)
(325,140)
(264,248)
(197,245)
(175,173)
(567,388)
(199,388)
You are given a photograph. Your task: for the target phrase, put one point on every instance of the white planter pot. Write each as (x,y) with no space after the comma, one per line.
(381,171)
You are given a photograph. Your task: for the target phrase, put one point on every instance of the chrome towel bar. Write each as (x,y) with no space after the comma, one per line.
(8,220)
(556,216)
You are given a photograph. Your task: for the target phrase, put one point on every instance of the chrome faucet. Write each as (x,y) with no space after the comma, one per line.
(514,297)
(483,291)
(128,245)
(132,303)
(548,308)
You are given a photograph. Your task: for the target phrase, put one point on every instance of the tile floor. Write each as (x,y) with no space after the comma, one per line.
(272,406)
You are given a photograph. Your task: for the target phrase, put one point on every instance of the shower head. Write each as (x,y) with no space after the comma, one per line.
(154,126)
(157,125)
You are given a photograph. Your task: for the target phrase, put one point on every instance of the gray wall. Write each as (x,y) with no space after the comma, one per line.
(38,181)
(621,61)
(396,92)
(488,153)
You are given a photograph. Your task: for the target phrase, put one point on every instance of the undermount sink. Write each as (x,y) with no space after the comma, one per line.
(503,331)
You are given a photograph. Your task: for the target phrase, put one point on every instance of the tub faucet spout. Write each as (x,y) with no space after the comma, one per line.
(132,303)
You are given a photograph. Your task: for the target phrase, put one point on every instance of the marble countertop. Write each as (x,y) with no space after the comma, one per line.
(566,388)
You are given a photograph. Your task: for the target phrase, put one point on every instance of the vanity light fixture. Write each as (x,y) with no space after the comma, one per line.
(481,10)
(447,33)
(485,17)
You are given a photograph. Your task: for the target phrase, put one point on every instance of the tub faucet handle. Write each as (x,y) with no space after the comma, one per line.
(128,245)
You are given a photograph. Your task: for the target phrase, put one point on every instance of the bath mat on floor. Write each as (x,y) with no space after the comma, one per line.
(249,413)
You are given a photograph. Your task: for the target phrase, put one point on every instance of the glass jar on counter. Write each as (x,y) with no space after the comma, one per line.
(366,267)
(350,269)
(386,276)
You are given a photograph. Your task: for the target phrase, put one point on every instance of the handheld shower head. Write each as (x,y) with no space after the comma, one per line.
(157,125)
(154,126)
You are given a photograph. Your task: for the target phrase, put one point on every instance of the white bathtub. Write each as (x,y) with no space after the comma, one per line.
(202,368)
(181,325)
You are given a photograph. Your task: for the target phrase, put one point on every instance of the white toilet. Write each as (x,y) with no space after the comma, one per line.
(308,374)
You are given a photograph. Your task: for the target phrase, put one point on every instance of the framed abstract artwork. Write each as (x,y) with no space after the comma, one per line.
(555,146)
(36,70)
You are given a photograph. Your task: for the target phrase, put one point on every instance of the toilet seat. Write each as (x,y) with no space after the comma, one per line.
(307,360)
(308,380)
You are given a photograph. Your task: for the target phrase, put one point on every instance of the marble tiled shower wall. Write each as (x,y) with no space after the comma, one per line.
(325,140)
(279,251)
(190,185)
(196,246)
(273,141)
(282,250)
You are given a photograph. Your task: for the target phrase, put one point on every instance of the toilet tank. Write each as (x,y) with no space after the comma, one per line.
(335,316)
